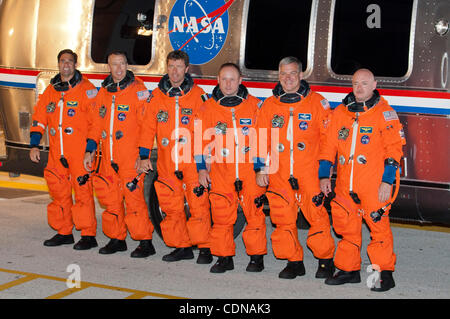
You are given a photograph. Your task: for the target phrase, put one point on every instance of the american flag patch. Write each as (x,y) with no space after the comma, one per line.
(390,115)
(325,104)
(91,93)
(143,95)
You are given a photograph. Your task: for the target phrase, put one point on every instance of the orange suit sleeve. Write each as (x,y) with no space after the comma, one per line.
(392,135)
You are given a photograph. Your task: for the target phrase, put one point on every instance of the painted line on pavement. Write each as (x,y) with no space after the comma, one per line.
(134,294)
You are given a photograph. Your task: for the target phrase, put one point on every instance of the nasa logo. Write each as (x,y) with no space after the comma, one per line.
(303,125)
(185,120)
(365,139)
(245,130)
(71,112)
(199,27)
(121,116)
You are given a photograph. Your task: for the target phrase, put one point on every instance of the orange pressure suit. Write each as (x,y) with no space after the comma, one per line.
(362,137)
(229,122)
(64,108)
(117,123)
(169,117)
(295,122)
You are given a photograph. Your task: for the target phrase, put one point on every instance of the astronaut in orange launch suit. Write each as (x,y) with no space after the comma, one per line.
(366,136)
(169,117)
(227,121)
(116,124)
(64,108)
(294,119)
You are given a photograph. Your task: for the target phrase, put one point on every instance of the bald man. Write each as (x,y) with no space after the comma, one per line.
(366,137)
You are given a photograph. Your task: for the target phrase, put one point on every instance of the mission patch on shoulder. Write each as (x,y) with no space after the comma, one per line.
(390,115)
(325,104)
(91,93)
(143,95)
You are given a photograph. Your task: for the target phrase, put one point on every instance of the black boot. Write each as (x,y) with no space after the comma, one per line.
(344,277)
(256,263)
(386,281)
(144,249)
(59,240)
(85,243)
(292,270)
(204,256)
(113,246)
(325,269)
(179,254)
(222,264)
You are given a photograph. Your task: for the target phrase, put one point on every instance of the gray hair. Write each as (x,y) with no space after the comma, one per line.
(289,60)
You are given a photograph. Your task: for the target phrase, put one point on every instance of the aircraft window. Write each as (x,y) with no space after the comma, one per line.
(373,34)
(123,25)
(275,30)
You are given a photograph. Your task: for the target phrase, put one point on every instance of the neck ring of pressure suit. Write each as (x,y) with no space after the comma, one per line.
(113,87)
(62,86)
(166,86)
(289,98)
(354,106)
(230,100)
